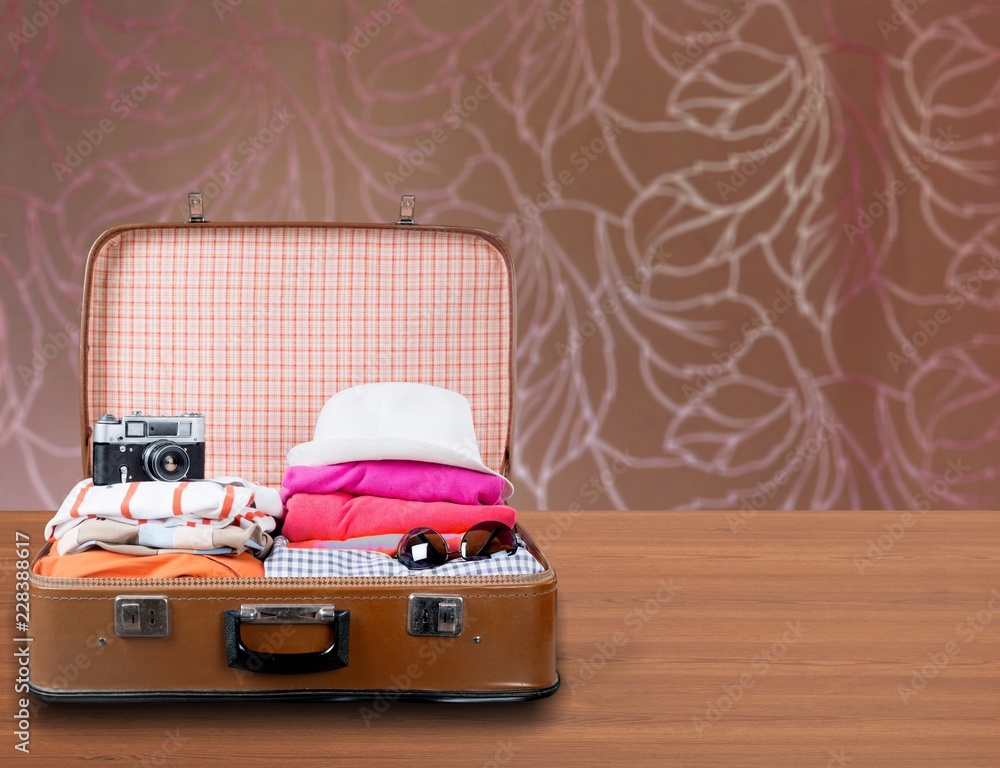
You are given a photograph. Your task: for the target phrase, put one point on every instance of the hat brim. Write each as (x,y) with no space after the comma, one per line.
(318,453)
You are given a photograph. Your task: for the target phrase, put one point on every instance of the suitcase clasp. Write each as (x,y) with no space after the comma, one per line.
(435,615)
(141,616)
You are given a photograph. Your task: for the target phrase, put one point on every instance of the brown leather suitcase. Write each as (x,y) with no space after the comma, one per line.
(255,325)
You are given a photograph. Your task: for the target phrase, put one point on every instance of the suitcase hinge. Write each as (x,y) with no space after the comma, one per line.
(196,208)
(406,205)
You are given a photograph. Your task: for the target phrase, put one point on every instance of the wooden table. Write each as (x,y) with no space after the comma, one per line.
(686,638)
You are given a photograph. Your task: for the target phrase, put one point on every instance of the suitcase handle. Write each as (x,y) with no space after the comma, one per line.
(238,656)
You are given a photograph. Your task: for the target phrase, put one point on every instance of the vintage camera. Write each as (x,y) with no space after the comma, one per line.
(139,447)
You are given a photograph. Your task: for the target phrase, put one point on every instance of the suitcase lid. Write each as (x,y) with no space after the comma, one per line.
(256,325)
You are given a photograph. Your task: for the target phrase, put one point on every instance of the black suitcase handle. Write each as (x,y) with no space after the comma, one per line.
(238,656)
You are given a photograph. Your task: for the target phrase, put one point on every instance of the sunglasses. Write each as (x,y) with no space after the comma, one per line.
(426,548)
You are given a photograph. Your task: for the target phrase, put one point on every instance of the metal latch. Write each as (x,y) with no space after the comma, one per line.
(406,206)
(141,616)
(287,614)
(436,615)
(196,208)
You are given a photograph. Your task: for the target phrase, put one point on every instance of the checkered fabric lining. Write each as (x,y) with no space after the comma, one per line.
(257,326)
(341,563)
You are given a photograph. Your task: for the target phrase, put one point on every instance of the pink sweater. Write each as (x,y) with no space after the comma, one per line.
(344,516)
(396,479)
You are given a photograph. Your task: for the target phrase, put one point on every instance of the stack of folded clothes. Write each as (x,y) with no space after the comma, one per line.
(388,458)
(367,506)
(198,528)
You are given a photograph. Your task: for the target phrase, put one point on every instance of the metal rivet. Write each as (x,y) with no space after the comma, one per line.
(477,639)
(101,641)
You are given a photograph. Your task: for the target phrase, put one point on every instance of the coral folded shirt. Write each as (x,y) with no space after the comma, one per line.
(396,479)
(344,516)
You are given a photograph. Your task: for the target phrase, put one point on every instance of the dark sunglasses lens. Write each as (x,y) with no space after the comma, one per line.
(422,548)
(486,540)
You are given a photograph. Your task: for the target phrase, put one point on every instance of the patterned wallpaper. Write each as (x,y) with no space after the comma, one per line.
(756,241)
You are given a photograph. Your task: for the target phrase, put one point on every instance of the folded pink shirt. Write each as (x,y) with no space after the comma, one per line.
(344,516)
(396,479)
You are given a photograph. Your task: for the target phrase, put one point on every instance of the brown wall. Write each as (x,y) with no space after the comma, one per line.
(678,181)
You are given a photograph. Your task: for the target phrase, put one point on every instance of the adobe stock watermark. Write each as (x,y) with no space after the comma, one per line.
(425,319)
(795,461)
(168,749)
(121,107)
(264,650)
(590,490)
(430,652)
(243,332)
(561,13)
(69,671)
(757,326)
(922,500)
(902,11)
(371,27)
(625,289)
(54,345)
(760,664)
(937,490)
(715,28)
(928,328)
(636,618)
(581,160)
(746,166)
(914,167)
(505,752)
(32,25)
(838,759)
(247,150)
(426,146)
(224,7)
(970,628)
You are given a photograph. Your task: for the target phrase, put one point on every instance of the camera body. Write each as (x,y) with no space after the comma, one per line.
(138,448)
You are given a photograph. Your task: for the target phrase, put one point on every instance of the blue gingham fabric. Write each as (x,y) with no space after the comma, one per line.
(285,562)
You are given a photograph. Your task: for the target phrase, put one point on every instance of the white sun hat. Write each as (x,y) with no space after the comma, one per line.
(395,420)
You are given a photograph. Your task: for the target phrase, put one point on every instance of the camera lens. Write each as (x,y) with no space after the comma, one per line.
(164,460)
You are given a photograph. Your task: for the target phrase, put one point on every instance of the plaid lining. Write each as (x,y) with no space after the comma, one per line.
(286,562)
(256,327)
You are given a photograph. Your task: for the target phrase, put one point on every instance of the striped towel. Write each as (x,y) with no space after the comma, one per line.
(189,516)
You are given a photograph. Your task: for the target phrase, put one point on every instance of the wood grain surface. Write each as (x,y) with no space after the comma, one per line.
(686,639)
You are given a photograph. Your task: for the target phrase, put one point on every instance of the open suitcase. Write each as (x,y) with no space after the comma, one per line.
(256,325)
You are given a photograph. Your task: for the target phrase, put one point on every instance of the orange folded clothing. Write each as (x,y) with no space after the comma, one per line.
(99,563)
